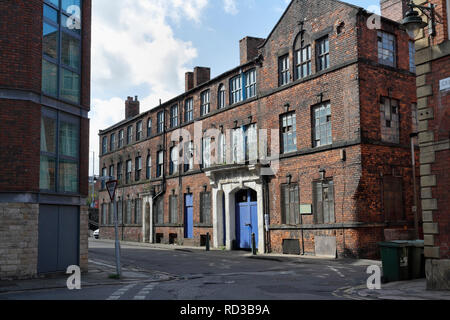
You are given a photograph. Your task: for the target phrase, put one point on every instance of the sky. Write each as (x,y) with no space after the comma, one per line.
(144,47)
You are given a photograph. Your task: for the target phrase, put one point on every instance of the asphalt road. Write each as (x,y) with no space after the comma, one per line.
(213,275)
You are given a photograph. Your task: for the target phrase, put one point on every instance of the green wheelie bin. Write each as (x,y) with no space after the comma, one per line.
(394,258)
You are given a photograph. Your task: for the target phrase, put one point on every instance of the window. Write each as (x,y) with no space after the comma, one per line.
(206,151)
(120,212)
(386,49)
(244,144)
(221,97)
(390,130)
(289,132)
(149,127)
(120,139)
(148,174)
(189,110)
(222,152)
(188,156)
(104,214)
(250,84)
(160,164)
(173,209)
(104,145)
(112,142)
(111,171)
(174,116)
(128,212)
(173,168)
(139,130)
(138,211)
(129,135)
(412,56)
(111,213)
(138,168)
(322,125)
(160,117)
(104,175)
(119,172)
(61,48)
(205,105)
(128,177)
(236,90)
(59,156)
(393,199)
(159,209)
(323,53)
(303,62)
(290,204)
(205,208)
(284,75)
(323,195)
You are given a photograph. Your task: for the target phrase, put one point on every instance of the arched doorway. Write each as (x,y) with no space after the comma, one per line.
(246,218)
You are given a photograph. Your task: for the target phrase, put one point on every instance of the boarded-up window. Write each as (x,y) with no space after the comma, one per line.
(138,211)
(159,209)
(111,213)
(128,212)
(393,199)
(205,207)
(173,208)
(323,201)
(119,212)
(290,205)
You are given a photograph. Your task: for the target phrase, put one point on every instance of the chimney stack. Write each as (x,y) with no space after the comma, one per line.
(393,9)
(201,75)
(248,48)
(189,81)
(131,107)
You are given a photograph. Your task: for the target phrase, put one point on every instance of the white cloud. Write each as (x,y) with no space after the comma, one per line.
(374,9)
(230,6)
(134,45)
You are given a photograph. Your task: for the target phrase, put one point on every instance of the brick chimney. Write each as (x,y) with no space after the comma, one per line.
(188,81)
(201,75)
(393,9)
(131,107)
(248,48)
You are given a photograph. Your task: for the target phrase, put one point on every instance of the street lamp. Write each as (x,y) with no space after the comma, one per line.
(413,23)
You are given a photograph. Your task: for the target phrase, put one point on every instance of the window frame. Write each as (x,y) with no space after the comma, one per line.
(149,127)
(300,62)
(112,142)
(148,168)
(129,135)
(319,218)
(121,139)
(205,217)
(160,164)
(318,126)
(286,133)
(323,53)
(284,70)
(382,59)
(189,110)
(236,94)
(160,122)
(137,168)
(205,103)
(293,205)
(173,209)
(174,116)
(128,171)
(221,97)
(250,86)
(139,130)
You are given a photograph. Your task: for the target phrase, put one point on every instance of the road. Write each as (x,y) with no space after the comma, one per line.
(215,275)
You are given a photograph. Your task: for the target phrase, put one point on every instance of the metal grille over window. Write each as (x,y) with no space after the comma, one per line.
(389,113)
(324,202)
(173,203)
(386,49)
(322,125)
(291,206)
(159,211)
(138,211)
(205,207)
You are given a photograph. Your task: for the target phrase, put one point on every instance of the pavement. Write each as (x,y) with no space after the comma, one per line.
(100,272)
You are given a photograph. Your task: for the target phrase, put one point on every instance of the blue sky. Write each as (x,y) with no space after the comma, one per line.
(144,47)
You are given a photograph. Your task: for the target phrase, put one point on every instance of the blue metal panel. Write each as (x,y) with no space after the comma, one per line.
(188,217)
(246,223)
(68,238)
(47,239)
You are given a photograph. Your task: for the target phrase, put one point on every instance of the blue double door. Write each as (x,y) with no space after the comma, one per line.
(246,218)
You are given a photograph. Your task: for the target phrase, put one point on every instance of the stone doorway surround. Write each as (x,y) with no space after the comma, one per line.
(147,217)
(226,181)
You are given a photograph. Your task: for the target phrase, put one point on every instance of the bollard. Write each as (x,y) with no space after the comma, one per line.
(207,241)
(253,244)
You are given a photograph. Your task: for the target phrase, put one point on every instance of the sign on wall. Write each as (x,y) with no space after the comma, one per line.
(444,84)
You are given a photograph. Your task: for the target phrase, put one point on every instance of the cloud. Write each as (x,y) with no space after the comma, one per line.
(374,9)
(134,46)
(230,7)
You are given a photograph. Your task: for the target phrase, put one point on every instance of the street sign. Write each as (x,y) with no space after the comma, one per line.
(111,187)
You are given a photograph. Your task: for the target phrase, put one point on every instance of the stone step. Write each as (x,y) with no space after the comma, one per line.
(189,242)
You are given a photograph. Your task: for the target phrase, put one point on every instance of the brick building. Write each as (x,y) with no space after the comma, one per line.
(433,101)
(44,135)
(305,144)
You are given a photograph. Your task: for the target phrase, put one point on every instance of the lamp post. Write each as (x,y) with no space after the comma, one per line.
(413,23)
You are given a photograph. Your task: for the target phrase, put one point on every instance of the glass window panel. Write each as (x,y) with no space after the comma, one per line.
(49,78)
(47,173)
(50,13)
(54,2)
(68,176)
(70,25)
(70,86)
(68,139)
(70,51)
(67,3)
(48,135)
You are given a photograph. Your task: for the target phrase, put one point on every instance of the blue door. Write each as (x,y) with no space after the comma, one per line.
(246,218)
(188,216)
